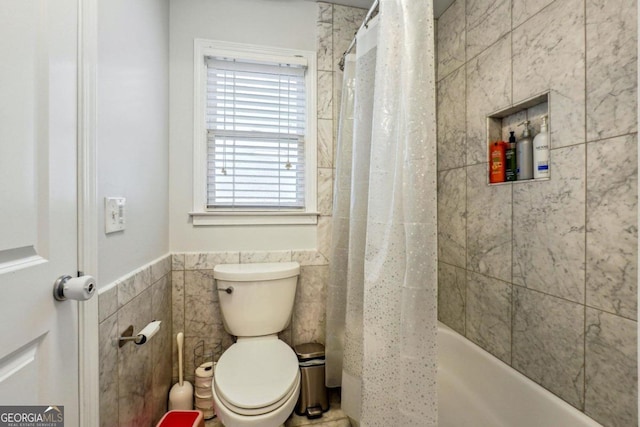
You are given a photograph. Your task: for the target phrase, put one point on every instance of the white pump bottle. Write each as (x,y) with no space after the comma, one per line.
(541,152)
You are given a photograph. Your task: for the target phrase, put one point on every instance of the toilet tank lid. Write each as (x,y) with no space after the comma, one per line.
(256,271)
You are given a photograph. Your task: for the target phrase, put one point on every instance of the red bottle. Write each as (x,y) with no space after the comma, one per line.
(497,162)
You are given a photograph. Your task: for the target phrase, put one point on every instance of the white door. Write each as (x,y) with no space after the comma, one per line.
(38,225)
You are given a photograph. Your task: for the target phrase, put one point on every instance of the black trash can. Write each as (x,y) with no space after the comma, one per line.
(313,400)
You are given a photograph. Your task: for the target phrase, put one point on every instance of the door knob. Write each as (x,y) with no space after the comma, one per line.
(78,288)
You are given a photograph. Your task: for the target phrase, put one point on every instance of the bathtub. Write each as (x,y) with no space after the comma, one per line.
(475,389)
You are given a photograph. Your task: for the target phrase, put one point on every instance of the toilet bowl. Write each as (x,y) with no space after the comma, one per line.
(256,382)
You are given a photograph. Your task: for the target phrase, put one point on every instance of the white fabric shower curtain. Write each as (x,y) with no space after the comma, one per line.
(382,302)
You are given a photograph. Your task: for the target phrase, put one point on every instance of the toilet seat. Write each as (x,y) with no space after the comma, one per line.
(274,418)
(258,411)
(256,375)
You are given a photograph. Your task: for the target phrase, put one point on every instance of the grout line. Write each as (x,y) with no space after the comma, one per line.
(439,80)
(547,294)
(512,314)
(451,265)
(466,138)
(577,144)
(445,11)
(513,310)
(511,62)
(466,234)
(466,179)
(586,213)
(466,252)
(534,15)
(512,30)
(533,290)
(451,169)
(610,313)
(612,137)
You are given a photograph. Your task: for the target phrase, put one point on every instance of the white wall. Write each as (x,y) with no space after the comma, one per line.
(288,24)
(132,132)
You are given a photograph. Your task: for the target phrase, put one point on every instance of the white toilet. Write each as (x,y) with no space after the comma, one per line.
(257,380)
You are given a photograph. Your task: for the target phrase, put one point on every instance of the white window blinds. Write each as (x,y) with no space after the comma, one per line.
(256,114)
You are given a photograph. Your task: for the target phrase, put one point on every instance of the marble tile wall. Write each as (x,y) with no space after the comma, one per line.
(544,275)
(196,309)
(135,380)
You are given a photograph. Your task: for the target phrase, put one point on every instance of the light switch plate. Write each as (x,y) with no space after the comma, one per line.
(114,214)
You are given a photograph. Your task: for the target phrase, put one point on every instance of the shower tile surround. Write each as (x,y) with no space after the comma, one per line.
(543,274)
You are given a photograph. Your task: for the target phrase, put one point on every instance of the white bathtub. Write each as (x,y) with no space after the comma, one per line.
(475,389)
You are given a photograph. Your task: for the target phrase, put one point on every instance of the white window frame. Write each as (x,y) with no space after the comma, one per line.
(201,215)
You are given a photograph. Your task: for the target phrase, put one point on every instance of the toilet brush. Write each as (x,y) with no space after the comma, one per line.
(181,394)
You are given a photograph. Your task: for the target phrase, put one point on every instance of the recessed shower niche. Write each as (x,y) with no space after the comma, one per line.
(515,118)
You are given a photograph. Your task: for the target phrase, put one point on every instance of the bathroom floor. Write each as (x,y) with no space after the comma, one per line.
(334,417)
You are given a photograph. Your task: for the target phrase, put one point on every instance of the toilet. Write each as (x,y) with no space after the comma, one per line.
(256,382)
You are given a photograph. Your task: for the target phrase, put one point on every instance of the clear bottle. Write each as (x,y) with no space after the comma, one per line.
(541,152)
(524,154)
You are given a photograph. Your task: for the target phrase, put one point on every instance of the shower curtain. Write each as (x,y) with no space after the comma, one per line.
(337,287)
(381,318)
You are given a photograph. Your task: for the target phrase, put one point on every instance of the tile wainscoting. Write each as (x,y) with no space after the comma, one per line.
(135,380)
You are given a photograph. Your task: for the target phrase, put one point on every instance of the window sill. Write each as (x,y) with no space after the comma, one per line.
(253,218)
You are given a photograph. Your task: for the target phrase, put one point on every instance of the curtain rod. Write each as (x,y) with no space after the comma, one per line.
(367,18)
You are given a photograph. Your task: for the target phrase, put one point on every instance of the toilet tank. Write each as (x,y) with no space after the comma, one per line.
(256,299)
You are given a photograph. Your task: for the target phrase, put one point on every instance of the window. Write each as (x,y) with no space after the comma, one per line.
(254,144)
(256,115)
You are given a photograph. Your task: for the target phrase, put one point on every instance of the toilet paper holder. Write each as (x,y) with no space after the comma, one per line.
(141,337)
